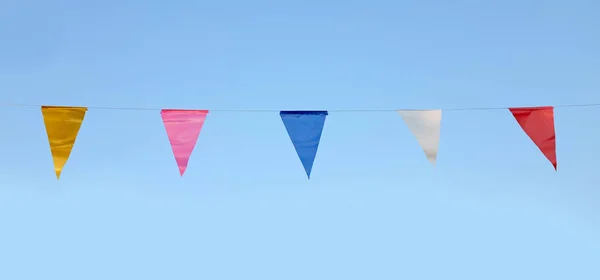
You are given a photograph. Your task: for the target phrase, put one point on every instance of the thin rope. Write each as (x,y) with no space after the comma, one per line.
(273,110)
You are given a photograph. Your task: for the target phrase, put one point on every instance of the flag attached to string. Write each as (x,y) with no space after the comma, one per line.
(304,129)
(538,124)
(62,126)
(425,125)
(183,128)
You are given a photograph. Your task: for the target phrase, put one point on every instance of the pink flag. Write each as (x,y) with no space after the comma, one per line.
(183,128)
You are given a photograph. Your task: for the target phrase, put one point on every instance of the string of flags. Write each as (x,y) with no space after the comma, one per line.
(304,128)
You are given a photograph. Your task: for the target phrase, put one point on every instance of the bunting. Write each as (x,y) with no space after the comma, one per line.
(425,125)
(183,128)
(304,129)
(62,127)
(538,124)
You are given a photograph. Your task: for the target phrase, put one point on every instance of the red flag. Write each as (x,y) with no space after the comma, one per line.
(538,123)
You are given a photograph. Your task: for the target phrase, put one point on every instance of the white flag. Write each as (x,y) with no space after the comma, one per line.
(425,125)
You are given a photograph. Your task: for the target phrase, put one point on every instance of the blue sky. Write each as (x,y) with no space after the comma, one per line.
(493,208)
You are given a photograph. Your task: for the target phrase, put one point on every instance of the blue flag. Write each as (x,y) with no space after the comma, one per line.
(304,129)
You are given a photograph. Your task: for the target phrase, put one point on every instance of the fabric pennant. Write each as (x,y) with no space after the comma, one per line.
(183,128)
(538,124)
(62,127)
(426,126)
(304,129)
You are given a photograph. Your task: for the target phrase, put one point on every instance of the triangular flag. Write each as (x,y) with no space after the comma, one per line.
(62,127)
(304,129)
(425,125)
(183,128)
(538,124)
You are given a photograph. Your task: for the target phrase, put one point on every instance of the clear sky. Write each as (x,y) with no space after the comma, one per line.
(492,208)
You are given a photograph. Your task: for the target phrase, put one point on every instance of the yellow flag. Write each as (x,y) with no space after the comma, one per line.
(62,127)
